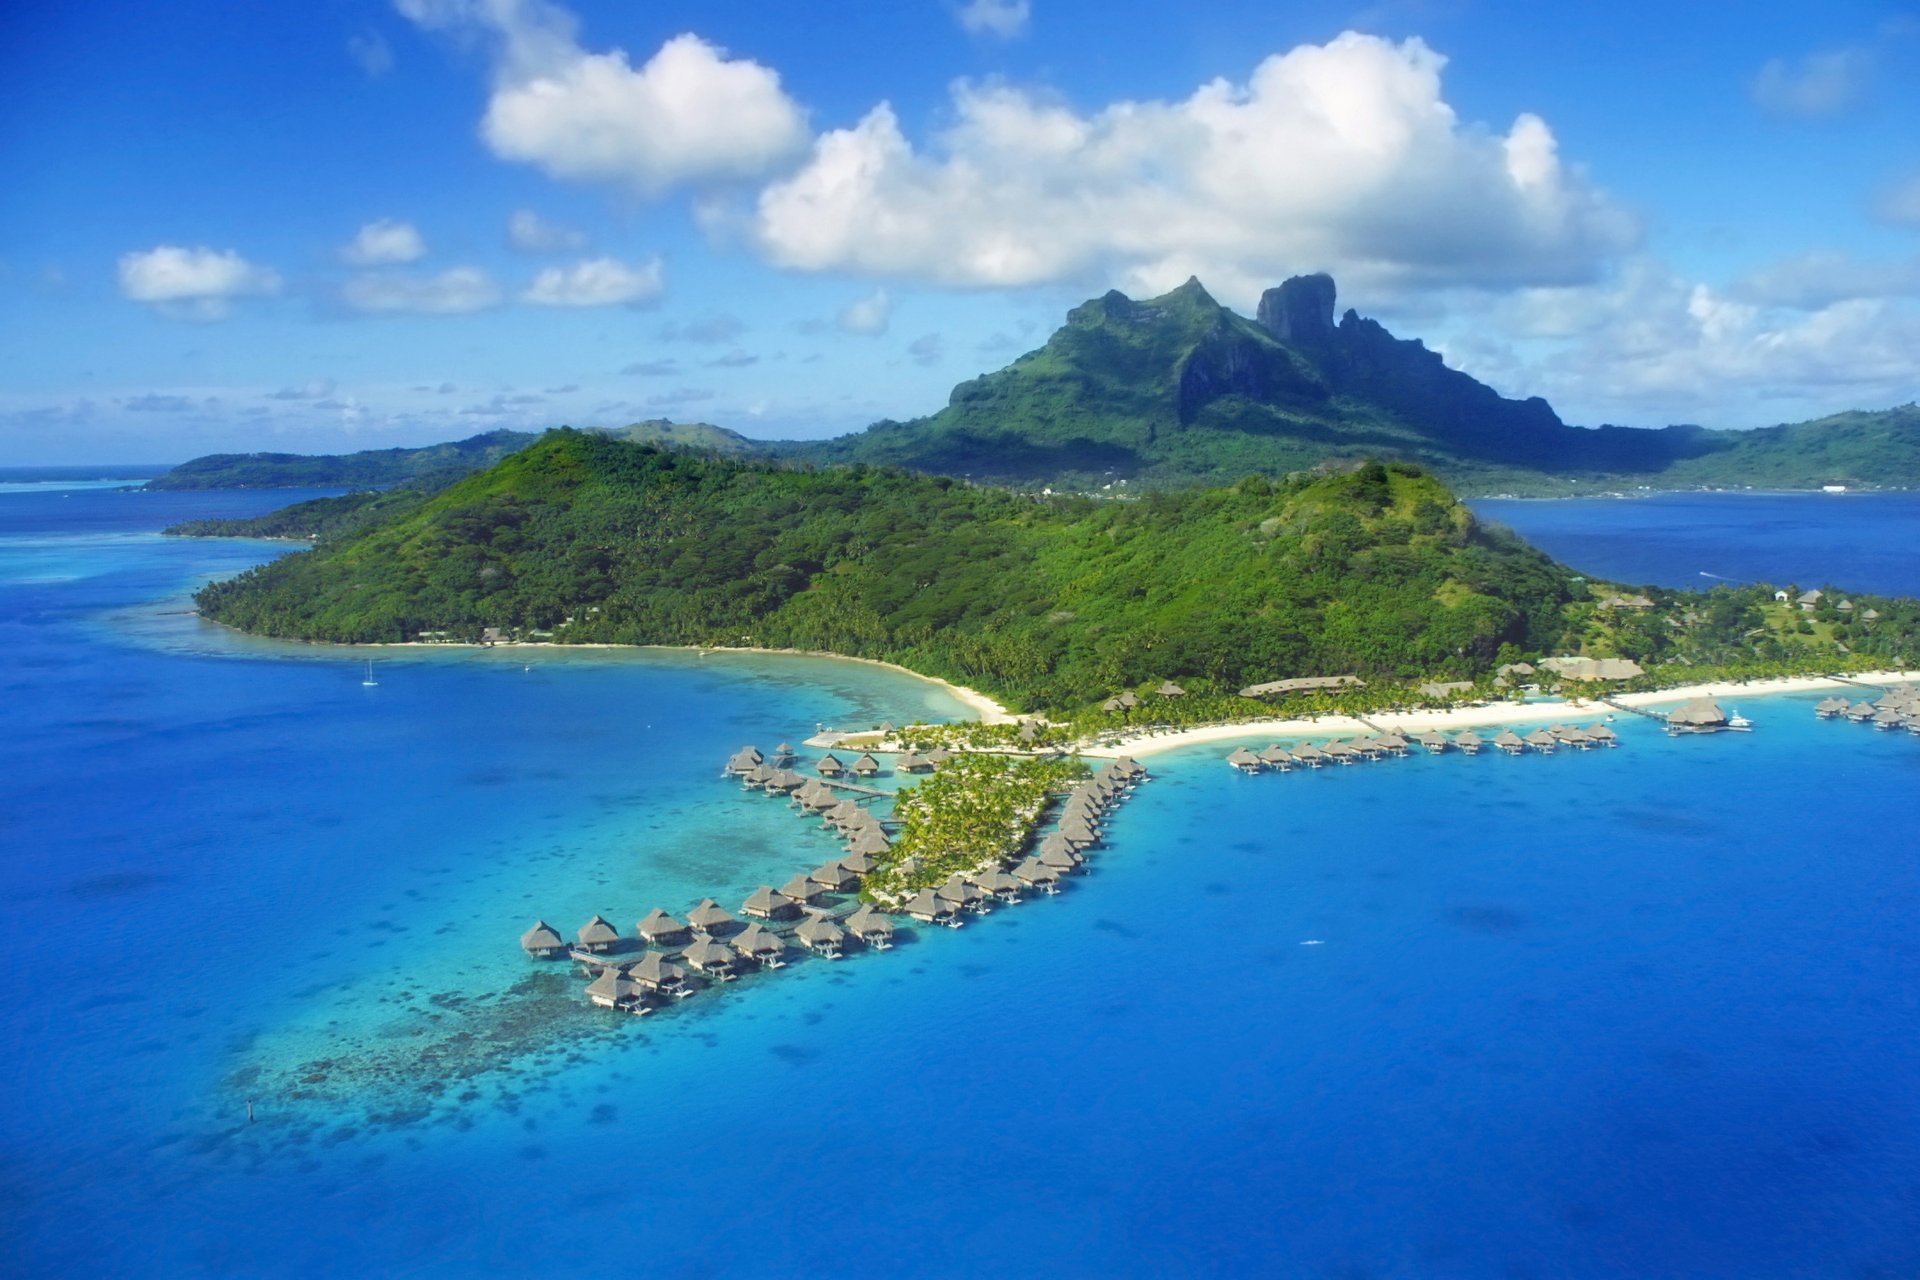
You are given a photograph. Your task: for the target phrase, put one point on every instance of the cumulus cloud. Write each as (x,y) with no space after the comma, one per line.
(528,232)
(196,283)
(1653,346)
(1003,18)
(384,243)
(867,316)
(1899,204)
(597,282)
(456,291)
(690,114)
(1342,156)
(1820,84)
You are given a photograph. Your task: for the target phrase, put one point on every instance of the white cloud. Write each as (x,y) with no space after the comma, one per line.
(1900,203)
(386,242)
(528,232)
(371,52)
(597,282)
(1003,18)
(689,115)
(869,315)
(1817,280)
(1342,156)
(1820,84)
(1652,346)
(456,291)
(194,283)
(927,348)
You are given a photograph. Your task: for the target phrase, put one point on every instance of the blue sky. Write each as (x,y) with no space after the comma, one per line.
(355,223)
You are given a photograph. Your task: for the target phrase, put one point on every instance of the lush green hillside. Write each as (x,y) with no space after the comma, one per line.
(1049,602)
(429,468)
(1180,390)
(319,518)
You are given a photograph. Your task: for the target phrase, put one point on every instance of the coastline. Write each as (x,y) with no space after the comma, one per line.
(1455,719)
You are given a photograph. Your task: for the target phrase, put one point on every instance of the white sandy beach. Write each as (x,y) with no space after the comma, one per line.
(1455,719)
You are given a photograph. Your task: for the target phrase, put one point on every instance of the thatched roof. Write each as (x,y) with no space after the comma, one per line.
(1466,738)
(866,764)
(708,954)
(598,931)
(1034,871)
(1301,684)
(655,970)
(1697,711)
(1593,668)
(817,931)
(928,903)
(868,923)
(830,763)
(1241,758)
(800,889)
(709,915)
(869,841)
(859,863)
(659,924)
(755,940)
(766,900)
(542,937)
(609,985)
(834,876)
(1168,689)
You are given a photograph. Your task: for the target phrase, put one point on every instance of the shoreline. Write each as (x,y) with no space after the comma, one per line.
(1454,719)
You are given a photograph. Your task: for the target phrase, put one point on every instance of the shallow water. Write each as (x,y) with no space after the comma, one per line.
(1641,1012)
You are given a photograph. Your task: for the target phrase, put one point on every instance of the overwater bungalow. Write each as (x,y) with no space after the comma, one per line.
(1434,741)
(662,930)
(801,890)
(965,894)
(843,812)
(597,934)
(1603,735)
(1889,718)
(1367,747)
(830,766)
(714,958)
(1468,741)
(768,903)
(1130,767)
(1510,742)
(1244,760)
(759,775)
(821,935)
(760,945)
(656,973)
(784,782)
(612,991)
(929,907)
(1698,715)
(871,927)
(912,762)
(1309,755)
(542,940)
(1061,860)
(783,754)
(1036,874)
(709,917)
(1542,741)
(866,844)
(1393,744)
(1000,885)
(1081,833)
(1828,708)
(939,757)
(833,877)
(1574,736)
(1861,712)
(865,766)
(744,760)
(1340,753)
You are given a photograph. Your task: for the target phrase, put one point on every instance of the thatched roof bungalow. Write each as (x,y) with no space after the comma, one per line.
(542,940)
(597,934)
(768,903)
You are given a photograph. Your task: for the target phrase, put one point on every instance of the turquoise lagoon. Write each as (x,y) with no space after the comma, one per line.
(1651,1012)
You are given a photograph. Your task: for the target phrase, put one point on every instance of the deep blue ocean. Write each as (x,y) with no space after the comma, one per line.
(1652,1012)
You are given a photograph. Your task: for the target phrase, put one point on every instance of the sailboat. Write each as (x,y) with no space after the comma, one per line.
(369,682)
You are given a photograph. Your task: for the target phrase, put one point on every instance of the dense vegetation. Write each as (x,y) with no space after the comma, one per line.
(1049,602)
(1179,390)
(978,812)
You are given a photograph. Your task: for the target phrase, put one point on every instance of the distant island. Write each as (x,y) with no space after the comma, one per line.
(1178,390)
(1349,588)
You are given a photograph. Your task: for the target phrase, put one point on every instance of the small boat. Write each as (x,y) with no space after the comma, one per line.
(369,682)
(1737,721)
